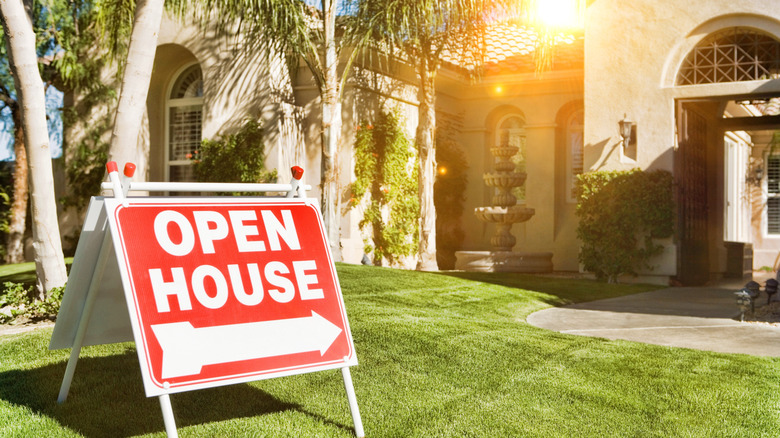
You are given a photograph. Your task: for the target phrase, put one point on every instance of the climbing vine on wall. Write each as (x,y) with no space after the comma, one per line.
(386,177)
(621,213)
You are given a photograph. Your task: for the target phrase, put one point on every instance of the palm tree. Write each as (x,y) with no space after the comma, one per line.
(16,18)
(309,34)
(137,73)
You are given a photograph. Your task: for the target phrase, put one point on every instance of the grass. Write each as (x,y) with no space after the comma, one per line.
(23,272)
(441,355)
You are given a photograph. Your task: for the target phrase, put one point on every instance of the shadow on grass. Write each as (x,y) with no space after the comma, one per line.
(556,291)
(712,301)
(107,398)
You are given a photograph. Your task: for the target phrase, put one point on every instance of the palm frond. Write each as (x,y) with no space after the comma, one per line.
(114,20)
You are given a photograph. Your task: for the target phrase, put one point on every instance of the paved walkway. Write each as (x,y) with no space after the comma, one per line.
(702,318)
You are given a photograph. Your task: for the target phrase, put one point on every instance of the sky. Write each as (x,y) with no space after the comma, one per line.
(53,105)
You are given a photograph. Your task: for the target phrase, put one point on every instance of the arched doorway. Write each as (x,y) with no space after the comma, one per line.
(715,134)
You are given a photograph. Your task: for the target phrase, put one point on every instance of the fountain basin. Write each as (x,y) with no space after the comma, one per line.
(504,215)
(504,180)
(503,261)
(504,152)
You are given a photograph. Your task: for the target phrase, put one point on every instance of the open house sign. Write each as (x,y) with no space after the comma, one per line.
(224,291)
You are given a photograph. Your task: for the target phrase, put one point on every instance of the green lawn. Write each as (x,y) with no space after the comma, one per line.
(23,272)
(441,355)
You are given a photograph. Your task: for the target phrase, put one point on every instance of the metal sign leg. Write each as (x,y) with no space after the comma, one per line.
(353,406)
(167,411)
(81,331)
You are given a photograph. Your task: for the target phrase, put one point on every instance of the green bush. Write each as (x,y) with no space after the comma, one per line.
(385,171)
(18,302)
(237,158)
(621,213)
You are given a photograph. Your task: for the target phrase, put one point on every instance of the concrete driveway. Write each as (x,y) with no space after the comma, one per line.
(702,318)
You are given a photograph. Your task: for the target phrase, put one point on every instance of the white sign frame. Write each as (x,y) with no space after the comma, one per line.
(92,312)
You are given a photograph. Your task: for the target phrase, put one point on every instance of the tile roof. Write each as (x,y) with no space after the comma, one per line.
(511,50)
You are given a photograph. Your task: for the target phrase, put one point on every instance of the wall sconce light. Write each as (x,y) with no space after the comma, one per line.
(759,174)
(755,174)
(627,131)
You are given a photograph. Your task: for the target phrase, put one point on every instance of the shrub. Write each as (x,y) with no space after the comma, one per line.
(620,214)
(238,158)
(17,302)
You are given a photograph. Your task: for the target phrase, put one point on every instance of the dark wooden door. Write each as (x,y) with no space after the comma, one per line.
(691,177)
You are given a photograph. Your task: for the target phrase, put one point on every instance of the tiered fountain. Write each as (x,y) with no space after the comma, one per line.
(504,213)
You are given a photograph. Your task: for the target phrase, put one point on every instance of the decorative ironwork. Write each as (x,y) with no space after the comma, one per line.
(732,55)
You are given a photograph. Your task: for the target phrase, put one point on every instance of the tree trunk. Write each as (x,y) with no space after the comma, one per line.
(15,241)
(49,262)
(426,148)
(331,133)
(125,146)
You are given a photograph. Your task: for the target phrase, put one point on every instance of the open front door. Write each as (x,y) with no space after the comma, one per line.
(691,177)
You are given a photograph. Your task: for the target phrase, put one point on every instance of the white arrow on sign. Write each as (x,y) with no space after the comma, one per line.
(186,349)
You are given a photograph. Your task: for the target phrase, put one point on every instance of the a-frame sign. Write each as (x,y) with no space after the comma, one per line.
(213,290)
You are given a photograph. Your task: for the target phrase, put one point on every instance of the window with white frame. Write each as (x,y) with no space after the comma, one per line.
(511,132)
(773,194)
(184,109)
(574,153)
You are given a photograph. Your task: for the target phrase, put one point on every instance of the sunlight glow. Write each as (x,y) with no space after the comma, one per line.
(558,13)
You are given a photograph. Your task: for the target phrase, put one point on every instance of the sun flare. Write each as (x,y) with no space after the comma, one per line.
(558,13)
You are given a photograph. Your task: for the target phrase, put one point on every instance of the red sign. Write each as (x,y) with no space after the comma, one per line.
(227,290)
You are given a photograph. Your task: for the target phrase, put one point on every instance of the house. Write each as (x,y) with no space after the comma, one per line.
(698,83)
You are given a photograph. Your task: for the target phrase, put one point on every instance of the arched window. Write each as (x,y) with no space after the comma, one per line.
(732,55)
(574,152)
(184,109)
(510,131)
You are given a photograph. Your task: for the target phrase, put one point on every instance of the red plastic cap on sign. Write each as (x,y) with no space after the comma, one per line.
(112,167)
(297,172)
(129,169)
